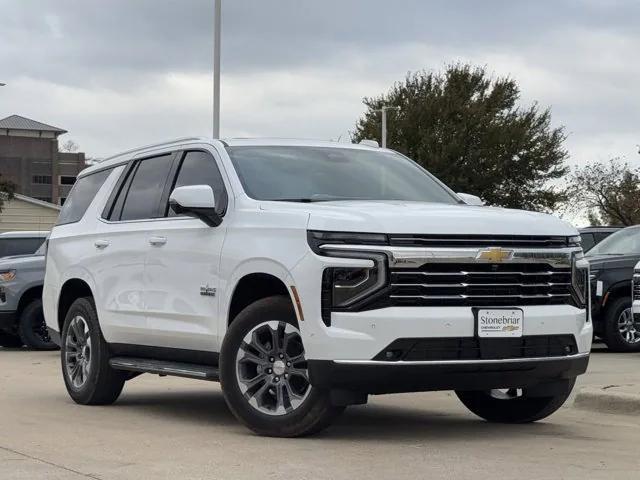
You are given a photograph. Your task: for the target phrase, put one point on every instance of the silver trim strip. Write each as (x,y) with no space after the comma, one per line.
(461,362)
(412,257)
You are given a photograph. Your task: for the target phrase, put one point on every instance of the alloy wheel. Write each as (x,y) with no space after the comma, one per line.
(78,352)
(271,368)
(628,328)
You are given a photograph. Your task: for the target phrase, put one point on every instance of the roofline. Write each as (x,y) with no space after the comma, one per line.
(153,145)
(35,201)
(51,128)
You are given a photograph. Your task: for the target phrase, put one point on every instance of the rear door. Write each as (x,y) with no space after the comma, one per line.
(183,261)
(121,245)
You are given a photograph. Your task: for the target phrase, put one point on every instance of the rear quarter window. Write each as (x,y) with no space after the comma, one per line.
(81,196)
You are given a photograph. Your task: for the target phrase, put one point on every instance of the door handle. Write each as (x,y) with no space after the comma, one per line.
(157,241)
(101,244)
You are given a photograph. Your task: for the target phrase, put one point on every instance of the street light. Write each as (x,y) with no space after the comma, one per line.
(383,110)
(217,37)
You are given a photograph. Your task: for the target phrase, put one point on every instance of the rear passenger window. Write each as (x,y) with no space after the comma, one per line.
(145,190)
(81,196)
(199,168)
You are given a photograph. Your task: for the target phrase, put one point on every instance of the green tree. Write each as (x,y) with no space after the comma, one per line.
(608,191)
(465,127)
(7,191)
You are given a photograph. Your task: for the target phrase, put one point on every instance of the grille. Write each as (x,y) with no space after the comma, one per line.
(521,241)
(636,287)
(480,284)
(470,348)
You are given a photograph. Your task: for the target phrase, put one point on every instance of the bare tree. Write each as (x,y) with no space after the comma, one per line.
(69,146)
(608,191)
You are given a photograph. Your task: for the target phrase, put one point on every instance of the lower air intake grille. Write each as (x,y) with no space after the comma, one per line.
(471,348)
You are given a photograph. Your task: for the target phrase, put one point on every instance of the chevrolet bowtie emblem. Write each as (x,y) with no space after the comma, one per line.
(495,255)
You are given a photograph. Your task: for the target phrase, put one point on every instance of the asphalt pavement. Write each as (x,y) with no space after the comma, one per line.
(181,429)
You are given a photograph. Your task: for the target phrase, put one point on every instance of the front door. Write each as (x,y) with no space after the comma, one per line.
(182,265)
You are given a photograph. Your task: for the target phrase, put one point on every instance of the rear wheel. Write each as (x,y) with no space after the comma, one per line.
(513,405)
(89,378)
(621,331)
(264,373)
(33,329)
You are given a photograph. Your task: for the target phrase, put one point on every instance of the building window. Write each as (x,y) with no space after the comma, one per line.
(67,180)
(44,199)
(41,179)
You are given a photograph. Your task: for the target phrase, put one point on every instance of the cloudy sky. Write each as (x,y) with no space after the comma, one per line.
(121,73)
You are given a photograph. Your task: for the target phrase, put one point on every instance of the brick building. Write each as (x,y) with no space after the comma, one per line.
(30,158)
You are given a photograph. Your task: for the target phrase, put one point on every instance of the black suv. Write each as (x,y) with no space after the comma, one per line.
(591,236)
(612,262)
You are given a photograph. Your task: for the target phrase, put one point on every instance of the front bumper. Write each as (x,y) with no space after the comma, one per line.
(8,320)
(378,377)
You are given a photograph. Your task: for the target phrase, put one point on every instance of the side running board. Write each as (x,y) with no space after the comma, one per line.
(161,367)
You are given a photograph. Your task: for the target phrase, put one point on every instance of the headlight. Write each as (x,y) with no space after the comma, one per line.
(580,280)
(7,275)
(575,241)
(349,285)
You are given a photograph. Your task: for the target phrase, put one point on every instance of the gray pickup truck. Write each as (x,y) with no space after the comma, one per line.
(21,280)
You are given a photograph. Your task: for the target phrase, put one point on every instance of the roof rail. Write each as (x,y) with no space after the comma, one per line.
(146,147)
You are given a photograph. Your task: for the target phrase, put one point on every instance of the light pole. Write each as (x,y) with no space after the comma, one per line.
(383,110)
(217,37)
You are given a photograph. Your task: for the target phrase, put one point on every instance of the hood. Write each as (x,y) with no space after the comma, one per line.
(21,260)
(601,262)
(427,218)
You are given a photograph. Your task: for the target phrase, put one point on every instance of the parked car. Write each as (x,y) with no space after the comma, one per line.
(612,262)
(307,275)
(635,295)
(591,236)
(21,318)
(21,243)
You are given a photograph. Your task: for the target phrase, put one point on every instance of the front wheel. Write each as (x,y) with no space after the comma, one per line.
(621,331)
(513,405)
(263,372)
(89,378)
(33,329)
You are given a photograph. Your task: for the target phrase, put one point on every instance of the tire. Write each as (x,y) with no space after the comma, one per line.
(94,381)
(499,407)
(617,341)
(280,402)
(8,340)
(33,329)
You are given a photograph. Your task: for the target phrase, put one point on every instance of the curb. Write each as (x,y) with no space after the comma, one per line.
(613,399)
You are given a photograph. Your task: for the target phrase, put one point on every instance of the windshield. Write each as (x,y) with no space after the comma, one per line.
(308,174)
(623,242)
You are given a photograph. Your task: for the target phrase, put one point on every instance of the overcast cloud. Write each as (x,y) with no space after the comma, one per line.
(122,73)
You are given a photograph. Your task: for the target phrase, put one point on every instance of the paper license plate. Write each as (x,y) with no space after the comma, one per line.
(505,322)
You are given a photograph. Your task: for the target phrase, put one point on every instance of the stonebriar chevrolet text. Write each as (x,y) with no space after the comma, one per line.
(305,276)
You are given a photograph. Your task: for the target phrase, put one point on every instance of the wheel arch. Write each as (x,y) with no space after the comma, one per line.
(617,290)
(71,290)
(32,293)
(252,282)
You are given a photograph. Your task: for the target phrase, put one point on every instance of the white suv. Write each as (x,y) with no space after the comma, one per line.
(307,275)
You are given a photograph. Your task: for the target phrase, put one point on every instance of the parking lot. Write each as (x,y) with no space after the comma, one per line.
(175,428)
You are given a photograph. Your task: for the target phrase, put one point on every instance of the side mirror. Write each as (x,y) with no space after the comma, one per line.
(197,201)
(471,199)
